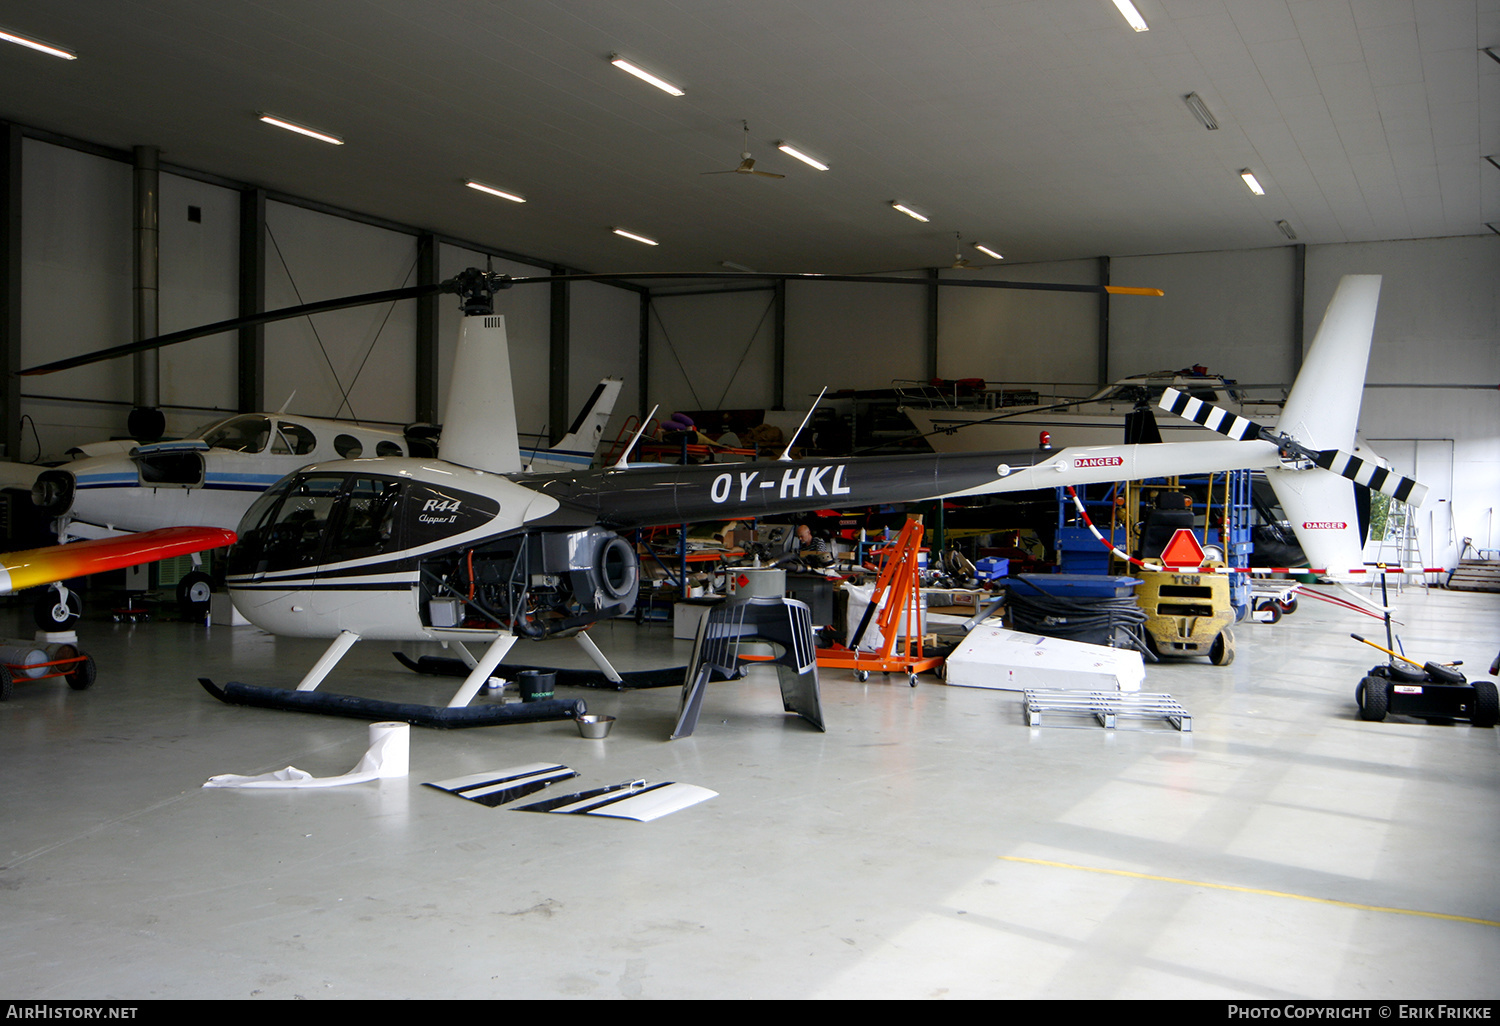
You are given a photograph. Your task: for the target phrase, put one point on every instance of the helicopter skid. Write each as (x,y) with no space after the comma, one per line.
(356,707)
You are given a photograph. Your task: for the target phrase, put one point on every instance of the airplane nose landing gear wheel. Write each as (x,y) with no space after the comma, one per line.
(56,614)
(193,594)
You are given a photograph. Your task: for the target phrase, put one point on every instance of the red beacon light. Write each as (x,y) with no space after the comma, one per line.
(1045,441)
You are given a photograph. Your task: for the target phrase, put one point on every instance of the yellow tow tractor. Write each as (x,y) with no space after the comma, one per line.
(1188,612)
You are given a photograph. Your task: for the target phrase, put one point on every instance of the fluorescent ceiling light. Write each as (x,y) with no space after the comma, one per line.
(481,187)
(987,251)
(1201,112)
(909,212)
(1252,182)
(301,130)
(1286,229)
(644,75)
(633,235)
(1132,15)
(792,151)
(11,37)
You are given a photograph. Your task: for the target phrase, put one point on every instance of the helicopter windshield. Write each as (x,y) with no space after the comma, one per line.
(248,433)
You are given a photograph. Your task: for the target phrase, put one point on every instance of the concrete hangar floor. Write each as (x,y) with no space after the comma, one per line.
(930,844)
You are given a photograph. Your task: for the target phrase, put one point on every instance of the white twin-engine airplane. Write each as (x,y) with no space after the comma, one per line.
(211,479)
(464,548)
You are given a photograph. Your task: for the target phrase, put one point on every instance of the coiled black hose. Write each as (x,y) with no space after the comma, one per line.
(1081,619)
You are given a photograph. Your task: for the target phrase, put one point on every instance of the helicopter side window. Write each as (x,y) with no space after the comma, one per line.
(293,440)
(240,434)
(295,537)
(369,525)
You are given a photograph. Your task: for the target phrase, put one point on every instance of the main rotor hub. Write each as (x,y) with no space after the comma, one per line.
(477,290)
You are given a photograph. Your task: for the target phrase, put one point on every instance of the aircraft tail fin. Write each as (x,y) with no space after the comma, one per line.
(1323,408)
(1320,508)
(1321,413)
(479,425)
(575,450)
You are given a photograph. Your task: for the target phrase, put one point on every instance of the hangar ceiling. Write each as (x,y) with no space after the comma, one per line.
(1046,129)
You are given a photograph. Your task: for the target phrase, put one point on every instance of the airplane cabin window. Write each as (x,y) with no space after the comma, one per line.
(240,434)
(294,440)
(349,447)
(388,448)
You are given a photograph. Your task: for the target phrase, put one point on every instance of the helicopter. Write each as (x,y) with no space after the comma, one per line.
(464,549)
(211,478)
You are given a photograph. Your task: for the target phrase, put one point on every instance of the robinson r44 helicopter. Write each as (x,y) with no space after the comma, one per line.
(464,549)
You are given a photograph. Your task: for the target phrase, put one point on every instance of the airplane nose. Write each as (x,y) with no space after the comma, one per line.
(53,492)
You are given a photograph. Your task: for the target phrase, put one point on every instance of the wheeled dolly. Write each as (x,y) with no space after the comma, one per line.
(1407,691)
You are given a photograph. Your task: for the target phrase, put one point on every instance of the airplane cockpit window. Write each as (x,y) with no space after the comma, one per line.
(293,440)
(348,447)
(240,434)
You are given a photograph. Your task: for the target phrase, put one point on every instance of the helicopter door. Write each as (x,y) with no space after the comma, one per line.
(293,540)
(360,578)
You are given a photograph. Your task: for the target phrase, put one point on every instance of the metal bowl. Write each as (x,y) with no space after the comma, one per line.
(594,726)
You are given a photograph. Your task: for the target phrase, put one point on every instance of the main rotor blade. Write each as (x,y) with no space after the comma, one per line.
(188,334)
(871,279)
(505,281)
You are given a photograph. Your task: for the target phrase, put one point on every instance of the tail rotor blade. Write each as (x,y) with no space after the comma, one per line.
(1211,417)
(1372,476)
(1361,471)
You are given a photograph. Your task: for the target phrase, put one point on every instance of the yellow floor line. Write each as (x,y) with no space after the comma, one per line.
(1252,890)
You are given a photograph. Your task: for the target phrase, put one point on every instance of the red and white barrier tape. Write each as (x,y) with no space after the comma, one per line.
(1243,569)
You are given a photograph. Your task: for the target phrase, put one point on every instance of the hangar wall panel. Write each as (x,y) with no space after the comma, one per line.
(76,279)
(1020,338)
(1439,324)
(605,333)
(846,335)
(713,351)
(528,328)
(199,285)
(1231,312)
(355,363)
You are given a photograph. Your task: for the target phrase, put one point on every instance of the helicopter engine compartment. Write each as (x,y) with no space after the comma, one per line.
(536,583)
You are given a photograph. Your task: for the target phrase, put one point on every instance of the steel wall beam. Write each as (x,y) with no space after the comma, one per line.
(425,379)
(557,375)
(252,344)
(10,289)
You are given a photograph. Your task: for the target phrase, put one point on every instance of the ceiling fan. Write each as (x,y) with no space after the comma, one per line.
(959,260)
(747,162)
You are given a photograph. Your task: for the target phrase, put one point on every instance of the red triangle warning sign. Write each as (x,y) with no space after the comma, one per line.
(1183,550)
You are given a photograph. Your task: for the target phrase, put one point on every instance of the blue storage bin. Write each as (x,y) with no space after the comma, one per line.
(1075,585)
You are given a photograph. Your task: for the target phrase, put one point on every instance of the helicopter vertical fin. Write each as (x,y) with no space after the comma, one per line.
(479,424)
(1320,508)
(1323,408)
